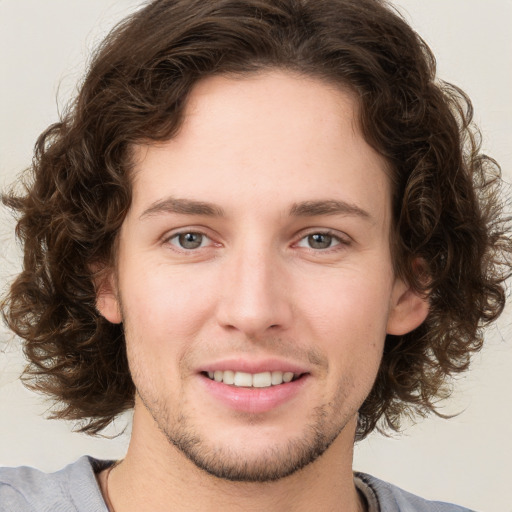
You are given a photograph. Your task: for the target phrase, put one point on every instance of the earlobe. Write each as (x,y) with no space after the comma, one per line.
(409,310)
(107,302)
(108,307)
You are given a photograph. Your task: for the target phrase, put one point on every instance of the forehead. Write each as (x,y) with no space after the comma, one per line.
(274,137)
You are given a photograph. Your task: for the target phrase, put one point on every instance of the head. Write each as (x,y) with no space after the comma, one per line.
(445,233)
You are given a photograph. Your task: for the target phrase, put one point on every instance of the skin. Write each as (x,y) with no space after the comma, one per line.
(272,281)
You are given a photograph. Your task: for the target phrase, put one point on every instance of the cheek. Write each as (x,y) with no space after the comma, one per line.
(162,313)
(167,302)
(350,316)
(347,297)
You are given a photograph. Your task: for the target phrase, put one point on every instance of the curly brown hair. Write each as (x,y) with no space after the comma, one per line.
(446,205)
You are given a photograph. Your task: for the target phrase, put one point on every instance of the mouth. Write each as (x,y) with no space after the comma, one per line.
(252,380)
(254,388)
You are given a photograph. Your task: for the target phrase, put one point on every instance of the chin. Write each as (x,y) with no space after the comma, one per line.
(255,460)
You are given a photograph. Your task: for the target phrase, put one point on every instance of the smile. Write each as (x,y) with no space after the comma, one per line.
(252,380)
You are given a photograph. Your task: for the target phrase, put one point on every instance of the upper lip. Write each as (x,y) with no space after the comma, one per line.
(254,366)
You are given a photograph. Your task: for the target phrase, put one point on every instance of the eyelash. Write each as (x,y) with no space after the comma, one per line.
(168,240)
(341,241)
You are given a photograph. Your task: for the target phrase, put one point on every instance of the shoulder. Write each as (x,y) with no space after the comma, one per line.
(74,488)
(393,499)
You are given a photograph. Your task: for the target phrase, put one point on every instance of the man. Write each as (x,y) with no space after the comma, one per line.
(268,229)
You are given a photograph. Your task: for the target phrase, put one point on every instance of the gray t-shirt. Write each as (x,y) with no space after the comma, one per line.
(75,489)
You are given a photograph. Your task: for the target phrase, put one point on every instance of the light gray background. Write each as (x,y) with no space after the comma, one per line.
(43,47)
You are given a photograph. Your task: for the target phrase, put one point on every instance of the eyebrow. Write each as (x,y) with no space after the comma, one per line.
(301,209)
(183,207)
(327,207)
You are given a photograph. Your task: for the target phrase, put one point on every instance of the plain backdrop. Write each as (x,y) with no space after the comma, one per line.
(43,49)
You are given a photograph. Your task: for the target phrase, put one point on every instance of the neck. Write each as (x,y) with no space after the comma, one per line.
(157,476)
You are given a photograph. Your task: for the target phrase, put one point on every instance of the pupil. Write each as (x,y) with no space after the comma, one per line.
(190,240)
(319,241)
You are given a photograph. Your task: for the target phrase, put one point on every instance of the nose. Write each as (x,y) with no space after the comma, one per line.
(255,294)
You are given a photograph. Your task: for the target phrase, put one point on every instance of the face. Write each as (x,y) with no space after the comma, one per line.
(254,276)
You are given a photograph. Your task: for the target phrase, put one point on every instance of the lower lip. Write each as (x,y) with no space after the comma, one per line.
(254,400)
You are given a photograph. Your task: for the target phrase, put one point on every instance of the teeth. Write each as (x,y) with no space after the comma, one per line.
(287,377)
(228,377)
(248,380)
(262,380)
(243,379)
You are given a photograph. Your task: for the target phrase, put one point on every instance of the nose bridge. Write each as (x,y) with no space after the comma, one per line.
(254,298)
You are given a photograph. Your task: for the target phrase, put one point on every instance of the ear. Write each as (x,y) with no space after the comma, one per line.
(107,301)
(408,310)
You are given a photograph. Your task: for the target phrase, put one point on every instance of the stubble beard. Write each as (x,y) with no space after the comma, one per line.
(326,423)
(273,463)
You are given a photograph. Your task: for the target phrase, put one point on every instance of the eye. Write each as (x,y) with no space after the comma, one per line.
(319,241)
(189,241)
